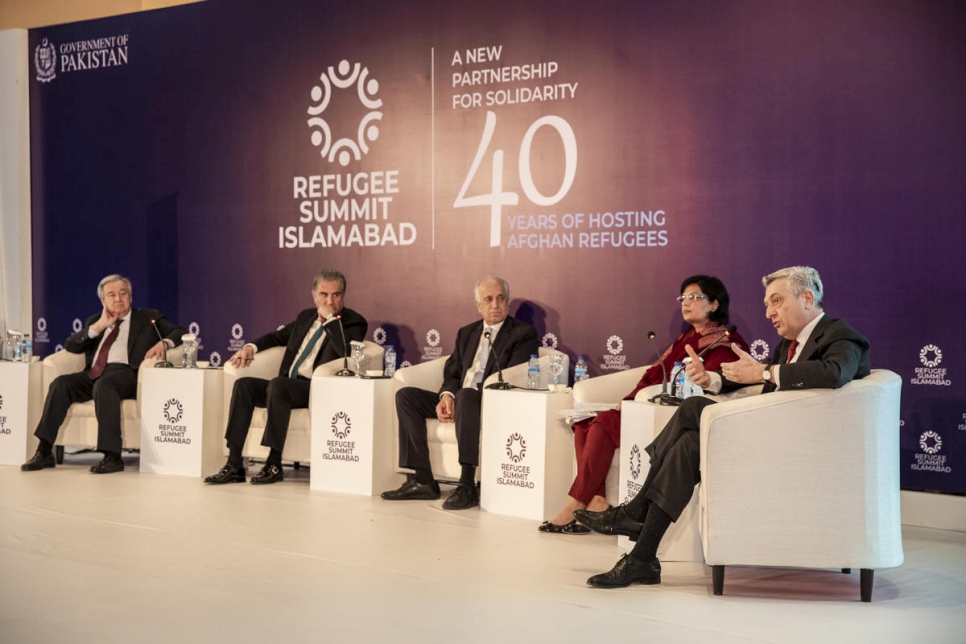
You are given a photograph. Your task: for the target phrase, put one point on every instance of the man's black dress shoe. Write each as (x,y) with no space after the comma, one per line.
(462,498)
(108,465)
(227,474)
(413,489)
(38,462)
(628,570)
(270,473)
(568,528)
(610,522)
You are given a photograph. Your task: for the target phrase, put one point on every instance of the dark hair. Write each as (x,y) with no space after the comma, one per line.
(715,289)
(329,275)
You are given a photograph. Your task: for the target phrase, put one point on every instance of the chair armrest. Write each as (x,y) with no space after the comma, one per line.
(609,388)
(59,364)
(802,464)
(425,375)
(265,365)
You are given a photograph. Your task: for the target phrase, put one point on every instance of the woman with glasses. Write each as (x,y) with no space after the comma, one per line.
(704,307)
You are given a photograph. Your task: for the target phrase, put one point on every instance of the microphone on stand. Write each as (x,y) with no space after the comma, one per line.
(664,382)
(161,363)
(687,360)
(344,371)
(499,369)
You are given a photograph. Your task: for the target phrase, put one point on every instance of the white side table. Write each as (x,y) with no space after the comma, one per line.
(21,404)
(641,422)
(352,435)
(528,453)
(182,421)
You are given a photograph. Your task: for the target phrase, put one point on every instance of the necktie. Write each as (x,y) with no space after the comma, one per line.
(791,351)
(484,356)
(294,373)
(98,367)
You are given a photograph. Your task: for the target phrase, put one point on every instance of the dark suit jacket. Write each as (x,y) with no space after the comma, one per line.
(514,344)
(333,345)
(834,355)
(141,336)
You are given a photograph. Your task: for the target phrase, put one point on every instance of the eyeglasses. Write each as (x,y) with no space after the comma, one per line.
(690,297)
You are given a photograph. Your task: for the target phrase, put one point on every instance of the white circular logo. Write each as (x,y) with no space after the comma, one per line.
(214,359)
(937,356)
(41,324)
(516,447)
(347,148)
(614,345)
(432,337)
(77,325)
(194,329)
(379,336)
(237,331)
(59,347)
(930,442)
(45,61)
(405,363)
(550,340)
(759,350)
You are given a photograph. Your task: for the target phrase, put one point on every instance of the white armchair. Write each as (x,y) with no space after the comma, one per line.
(443,450)
(804,479)
(609,389)
(80,425)
(298,443)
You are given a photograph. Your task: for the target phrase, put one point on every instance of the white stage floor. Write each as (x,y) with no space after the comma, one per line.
(135,557)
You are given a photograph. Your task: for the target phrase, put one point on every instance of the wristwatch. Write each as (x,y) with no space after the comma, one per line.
(766,374)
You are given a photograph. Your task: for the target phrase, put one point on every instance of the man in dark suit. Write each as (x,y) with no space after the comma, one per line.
(815,352)
(313,338)
(115,342)
(458,400)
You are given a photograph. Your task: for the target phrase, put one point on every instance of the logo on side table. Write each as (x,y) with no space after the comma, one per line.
(633,487)
(173,409)
(513,474)
(172,431)
(340,449)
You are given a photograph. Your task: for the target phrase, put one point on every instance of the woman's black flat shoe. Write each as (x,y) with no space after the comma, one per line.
(570,528)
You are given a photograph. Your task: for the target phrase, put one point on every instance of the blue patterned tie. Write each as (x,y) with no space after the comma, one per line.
(294,373)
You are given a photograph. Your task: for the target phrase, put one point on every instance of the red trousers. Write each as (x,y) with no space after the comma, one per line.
(595,441)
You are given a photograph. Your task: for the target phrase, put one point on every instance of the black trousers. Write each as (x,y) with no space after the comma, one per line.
(118,382)
(279,396)
(415,405)
(675,463)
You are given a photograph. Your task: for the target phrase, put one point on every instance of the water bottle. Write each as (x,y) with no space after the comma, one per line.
(390,361)
(580,371)
(690,389)
(28,348)
(680,380)
(18,350)
(533,373)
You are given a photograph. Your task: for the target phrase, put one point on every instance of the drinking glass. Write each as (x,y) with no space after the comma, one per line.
(556,367)
(358,353)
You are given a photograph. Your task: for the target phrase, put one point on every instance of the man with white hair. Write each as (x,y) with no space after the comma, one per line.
(459,399)
(815,352)
(115,341)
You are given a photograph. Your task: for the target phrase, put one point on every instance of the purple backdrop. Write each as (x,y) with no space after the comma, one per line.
(592,154)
